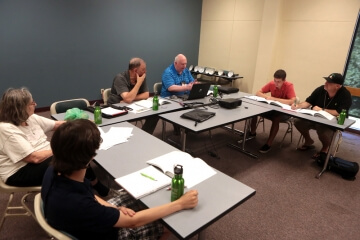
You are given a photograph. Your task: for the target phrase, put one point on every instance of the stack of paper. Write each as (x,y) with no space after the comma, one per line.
(144,182)
(112,111)
(114,136)
(140,106)
(145,105)
(195,169)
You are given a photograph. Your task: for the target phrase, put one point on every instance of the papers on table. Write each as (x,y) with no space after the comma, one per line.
(140,106)
(158,176)
(144,182)
(145,105)
(114,136)
(271,102)
(112,111)
(195,169)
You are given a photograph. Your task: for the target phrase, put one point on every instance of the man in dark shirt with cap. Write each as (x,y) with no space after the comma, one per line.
(332,98)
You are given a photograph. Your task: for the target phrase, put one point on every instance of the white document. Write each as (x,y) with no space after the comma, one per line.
(145,105)
(320,113)
(195,170)
(271,102)
(114,136)
(143,182)
(136,108)
(112,111)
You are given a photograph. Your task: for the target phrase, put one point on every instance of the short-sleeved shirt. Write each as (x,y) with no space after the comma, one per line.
(172,77)
(121,84)
(70,206)
(17,142)
(285,92)
(319,97)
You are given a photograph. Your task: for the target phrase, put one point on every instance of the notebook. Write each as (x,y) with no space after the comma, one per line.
(144,182)
(197,91)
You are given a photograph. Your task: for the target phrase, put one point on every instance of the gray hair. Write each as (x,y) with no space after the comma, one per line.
(135,62)
(13,105)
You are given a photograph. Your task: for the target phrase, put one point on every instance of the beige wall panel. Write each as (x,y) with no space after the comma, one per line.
(307,38)
(218,10)
(243,52)
(312,50)
(320,10)
(248,10)
(215,39)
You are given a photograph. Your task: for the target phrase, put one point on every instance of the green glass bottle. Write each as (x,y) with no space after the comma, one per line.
(177,183)
(155,106)
(215,91)
(342,117)
(97,114)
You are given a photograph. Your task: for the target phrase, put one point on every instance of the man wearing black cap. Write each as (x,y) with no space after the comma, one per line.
(332,98)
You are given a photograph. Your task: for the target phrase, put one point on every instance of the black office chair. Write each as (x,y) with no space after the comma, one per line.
(63,106)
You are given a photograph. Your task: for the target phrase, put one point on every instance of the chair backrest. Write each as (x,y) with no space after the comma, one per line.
(157,87)
(62,106)
(354,91)
(39,213)
(106,95)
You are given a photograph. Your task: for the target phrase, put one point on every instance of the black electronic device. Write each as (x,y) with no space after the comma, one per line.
(197,91)
(230,103)
(227,90)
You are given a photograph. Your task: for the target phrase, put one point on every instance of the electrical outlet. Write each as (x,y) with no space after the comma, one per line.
(101,91)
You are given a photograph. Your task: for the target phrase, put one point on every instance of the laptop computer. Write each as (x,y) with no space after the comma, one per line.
(197,91)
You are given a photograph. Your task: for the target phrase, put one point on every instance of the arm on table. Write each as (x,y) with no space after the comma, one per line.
(187,201)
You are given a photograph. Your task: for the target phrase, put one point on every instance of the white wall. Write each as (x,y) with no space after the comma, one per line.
(307,38)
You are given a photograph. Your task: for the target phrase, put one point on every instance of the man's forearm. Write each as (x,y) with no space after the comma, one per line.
(141,96)
(129,97)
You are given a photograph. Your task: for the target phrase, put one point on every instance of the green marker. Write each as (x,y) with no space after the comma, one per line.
(144,175)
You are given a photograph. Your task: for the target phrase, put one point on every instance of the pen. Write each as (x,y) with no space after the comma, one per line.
(147,176)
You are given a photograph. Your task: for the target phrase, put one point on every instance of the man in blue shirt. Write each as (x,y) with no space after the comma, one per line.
(177,79)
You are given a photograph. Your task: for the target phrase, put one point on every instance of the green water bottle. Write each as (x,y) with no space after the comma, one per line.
(215,91)
(155,102)
(97,114)
(177,183)
(342,117)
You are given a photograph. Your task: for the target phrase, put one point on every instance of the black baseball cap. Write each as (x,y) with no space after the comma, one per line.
(335,78)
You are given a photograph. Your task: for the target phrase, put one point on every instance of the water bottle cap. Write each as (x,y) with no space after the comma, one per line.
(178,169)
(97,104)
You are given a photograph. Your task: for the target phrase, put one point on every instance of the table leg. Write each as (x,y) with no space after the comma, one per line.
(336,133)
(183,139)
(242,148)
(163,130)
(233,129)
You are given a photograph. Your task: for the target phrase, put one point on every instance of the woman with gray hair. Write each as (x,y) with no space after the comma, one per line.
(25,152)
